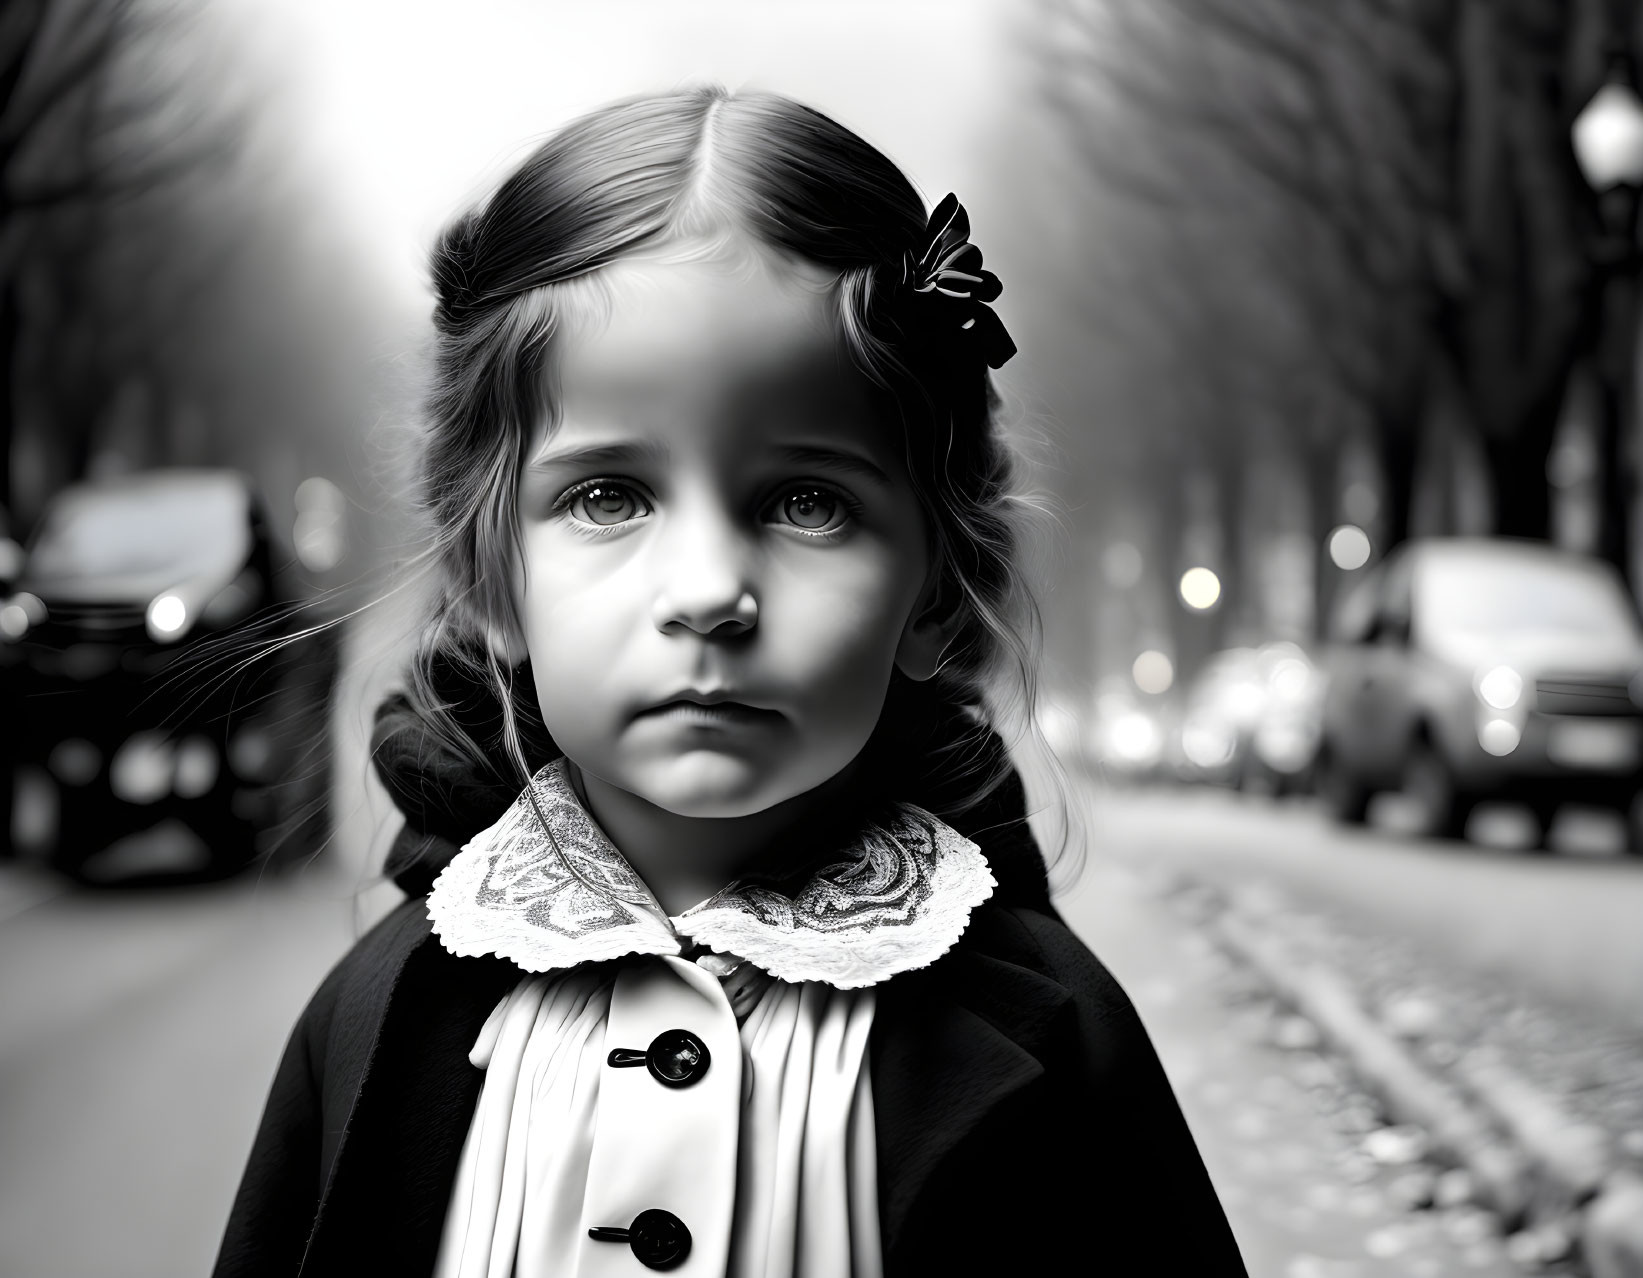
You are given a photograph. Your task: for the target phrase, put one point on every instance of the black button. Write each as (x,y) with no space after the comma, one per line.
(676,1058)
(658,1238)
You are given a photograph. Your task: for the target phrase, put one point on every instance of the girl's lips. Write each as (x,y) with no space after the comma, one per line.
(719,712)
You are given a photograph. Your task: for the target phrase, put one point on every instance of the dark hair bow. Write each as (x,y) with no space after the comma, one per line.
(945,274)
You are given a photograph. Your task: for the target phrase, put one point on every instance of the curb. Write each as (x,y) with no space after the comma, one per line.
(1533,1164)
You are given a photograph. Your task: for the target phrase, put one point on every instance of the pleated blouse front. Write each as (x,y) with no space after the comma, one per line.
(689,1094)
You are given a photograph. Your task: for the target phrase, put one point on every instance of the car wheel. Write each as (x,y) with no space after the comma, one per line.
(1429,784)
(1345,798)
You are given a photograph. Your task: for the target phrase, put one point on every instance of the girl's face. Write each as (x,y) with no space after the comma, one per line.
(724,559)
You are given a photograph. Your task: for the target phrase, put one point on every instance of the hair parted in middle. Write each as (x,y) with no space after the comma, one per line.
(689,171)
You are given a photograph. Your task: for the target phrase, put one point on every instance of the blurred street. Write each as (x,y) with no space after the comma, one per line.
(1563,925)
(139,1035)
(124,1145)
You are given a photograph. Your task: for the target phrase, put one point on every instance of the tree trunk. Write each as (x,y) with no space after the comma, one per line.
(1517,477)
(8,401)
(1395,450)
(1617,422)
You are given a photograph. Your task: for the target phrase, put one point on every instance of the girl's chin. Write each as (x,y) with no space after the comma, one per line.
(715,786)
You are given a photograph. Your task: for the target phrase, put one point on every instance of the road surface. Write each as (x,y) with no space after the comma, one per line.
(1565,925)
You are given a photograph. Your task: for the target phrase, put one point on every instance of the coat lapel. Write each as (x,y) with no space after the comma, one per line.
(948,1050)
(384,1204)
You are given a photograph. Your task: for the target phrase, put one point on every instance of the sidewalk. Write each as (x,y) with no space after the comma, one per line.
(1315,1185)
(1530,1112)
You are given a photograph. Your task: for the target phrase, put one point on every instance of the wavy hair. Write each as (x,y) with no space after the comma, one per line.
(674,172)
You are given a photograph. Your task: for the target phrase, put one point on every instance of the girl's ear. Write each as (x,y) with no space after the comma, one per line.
(930,628)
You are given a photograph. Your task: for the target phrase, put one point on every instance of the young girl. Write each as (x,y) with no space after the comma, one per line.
(728,949)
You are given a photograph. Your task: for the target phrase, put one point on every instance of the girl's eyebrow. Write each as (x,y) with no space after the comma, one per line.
(832,459)
(598,455)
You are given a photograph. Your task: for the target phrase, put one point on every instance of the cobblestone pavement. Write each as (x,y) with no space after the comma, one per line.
(1489,961)
(1592,1067)
(1313,1182)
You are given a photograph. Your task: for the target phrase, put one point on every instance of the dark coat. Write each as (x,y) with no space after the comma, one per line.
(1024,1124)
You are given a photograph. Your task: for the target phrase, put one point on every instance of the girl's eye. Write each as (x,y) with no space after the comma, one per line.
(606,503)
(810,509)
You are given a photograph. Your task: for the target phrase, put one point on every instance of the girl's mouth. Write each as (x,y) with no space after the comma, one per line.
(720,713)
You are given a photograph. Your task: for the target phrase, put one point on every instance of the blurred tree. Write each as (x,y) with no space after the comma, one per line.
(98,152)
(1359,219)
(169,291)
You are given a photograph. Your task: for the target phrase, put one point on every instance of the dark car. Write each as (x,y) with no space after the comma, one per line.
(165,695)
(1471,669)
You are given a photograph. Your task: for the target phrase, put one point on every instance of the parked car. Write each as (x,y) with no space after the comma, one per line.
(166,697)
(1464,670)
(1252,719)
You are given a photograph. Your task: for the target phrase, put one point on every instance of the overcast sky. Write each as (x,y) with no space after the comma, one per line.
(408,107)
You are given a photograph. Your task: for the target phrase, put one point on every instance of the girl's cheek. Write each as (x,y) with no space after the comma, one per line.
(863,589)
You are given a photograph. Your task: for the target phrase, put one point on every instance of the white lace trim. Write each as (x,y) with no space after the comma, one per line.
(898,901)
(545,889)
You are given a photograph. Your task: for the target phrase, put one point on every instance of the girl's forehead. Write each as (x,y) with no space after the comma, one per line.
(691,319)
(703,359)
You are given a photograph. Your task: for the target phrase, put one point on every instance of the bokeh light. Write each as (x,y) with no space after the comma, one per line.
(1499,736)
(1153,672)
(1134,738)
(1501,687)
(1200,588)
(1349,547)
(168,614)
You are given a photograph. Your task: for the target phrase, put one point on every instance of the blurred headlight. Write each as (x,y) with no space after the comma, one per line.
(1499,736)
(1134,738)
(21,613)
(1284,747)
(168,617)
(1207,745)
(14,622)
(1500,688)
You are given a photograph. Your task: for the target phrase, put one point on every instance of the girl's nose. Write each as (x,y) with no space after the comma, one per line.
(704,586)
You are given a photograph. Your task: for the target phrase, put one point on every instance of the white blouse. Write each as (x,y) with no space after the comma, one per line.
(707,1117)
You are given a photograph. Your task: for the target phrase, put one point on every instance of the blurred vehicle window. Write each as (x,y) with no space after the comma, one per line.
(155,532)
(1485,595)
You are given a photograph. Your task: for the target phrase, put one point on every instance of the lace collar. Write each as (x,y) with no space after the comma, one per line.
(545,889)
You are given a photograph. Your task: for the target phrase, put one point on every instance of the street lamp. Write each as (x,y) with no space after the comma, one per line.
(1608,146)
